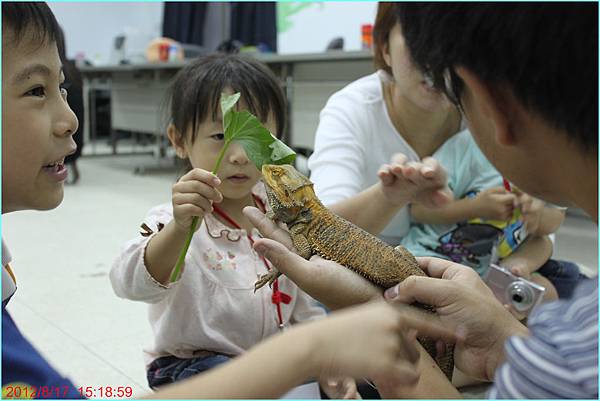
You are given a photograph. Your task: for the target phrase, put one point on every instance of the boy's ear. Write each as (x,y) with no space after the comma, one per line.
(176,141)
(493,104)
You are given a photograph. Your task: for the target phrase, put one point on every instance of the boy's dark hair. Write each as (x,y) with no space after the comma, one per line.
(196,91)
(35,18)
(546,53)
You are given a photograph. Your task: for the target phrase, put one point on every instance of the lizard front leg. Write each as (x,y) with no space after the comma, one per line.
(268,278)
(300,241)
(302,246)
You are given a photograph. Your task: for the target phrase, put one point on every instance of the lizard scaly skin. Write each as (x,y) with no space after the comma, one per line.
(316,230)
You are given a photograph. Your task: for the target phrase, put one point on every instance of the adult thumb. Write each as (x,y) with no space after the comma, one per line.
(286,261)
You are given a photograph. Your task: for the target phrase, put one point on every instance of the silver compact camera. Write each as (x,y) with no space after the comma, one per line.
(523,295)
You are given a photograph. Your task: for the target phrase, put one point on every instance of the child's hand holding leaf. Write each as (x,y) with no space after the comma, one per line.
(193,196)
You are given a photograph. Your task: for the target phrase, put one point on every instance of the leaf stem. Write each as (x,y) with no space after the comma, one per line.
(188,240)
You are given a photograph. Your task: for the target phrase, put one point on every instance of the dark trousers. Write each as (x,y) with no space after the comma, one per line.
(170,369)
(565,276)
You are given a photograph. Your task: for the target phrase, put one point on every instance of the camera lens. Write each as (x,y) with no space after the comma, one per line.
(520,295)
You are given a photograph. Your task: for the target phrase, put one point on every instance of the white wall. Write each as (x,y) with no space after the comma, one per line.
(308,27)
(92,27)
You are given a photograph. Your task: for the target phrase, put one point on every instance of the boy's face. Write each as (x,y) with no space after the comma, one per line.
(37,125)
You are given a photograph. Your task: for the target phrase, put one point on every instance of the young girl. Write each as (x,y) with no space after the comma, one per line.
(210,313)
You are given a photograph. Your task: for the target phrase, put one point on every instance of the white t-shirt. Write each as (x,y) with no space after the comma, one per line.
(212,306)
(354,138)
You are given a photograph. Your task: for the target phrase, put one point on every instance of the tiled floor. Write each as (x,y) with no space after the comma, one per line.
(61,258)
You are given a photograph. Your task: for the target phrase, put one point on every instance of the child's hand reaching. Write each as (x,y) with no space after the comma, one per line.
(342,388)
(494,204)
(531,210)
(193,195)
(424,182)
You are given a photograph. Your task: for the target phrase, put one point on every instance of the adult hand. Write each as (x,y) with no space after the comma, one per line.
(328,282)
(462,299)
(373,340)
(494,204)
(424,182)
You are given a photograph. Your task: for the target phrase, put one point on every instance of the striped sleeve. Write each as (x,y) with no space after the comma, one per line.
(560,357)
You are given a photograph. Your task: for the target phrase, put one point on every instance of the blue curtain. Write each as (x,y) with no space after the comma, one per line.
(254,23)
(184,21)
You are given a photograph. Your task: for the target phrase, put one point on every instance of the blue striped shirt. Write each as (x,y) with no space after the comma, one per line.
(560,357)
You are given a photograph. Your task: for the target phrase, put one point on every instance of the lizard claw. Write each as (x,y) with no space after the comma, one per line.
(268,278)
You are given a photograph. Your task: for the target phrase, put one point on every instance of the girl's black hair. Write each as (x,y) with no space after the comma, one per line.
(35,18)
(196,91)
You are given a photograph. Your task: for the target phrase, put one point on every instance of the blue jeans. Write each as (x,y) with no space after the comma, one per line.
(565,276)
(169,369)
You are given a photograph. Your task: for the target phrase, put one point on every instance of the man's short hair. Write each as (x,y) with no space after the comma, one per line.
(546,53)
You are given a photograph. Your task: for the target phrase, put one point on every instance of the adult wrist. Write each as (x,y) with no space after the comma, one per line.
(512,328)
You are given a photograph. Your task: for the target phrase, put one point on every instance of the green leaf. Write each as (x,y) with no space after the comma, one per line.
(281,153)
(260,145)
(227,103)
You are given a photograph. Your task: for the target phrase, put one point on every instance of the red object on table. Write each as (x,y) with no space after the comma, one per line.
(163,52)
(367,36)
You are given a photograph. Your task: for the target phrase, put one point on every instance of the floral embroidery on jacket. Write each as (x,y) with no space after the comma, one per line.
(216,260)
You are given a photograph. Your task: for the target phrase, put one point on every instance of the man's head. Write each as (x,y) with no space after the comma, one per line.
(521,72)
(37,123)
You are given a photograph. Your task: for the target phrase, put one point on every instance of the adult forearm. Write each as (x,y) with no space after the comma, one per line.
(268,370)
(370,209)
(162,252)
(459,210)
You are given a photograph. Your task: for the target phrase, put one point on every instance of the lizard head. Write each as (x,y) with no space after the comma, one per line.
(288,191)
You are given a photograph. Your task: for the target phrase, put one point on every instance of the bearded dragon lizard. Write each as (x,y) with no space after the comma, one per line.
(316,230)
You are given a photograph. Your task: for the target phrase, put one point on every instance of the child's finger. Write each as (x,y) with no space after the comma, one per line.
(198,187)
(398,159)
(411,171)
(193,199)
(385,169)
(386,177)
(192,210)
(202,175)
(496,190)
(431,167)
(505,199)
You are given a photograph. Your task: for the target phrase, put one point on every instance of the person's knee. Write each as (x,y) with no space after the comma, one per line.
(550,294)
